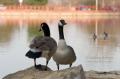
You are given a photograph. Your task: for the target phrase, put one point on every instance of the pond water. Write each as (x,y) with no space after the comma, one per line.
(101,54)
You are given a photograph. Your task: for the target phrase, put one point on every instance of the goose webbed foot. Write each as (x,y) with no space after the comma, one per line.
(39,67)
(46,65)
(46,68)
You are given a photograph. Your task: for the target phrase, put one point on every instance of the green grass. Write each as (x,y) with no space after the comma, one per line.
(33,31)
(35,2)
(29,2)
(6,2)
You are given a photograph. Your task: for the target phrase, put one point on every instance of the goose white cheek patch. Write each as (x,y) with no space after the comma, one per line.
(60,24)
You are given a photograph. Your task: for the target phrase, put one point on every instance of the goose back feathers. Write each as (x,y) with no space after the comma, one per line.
(44,44)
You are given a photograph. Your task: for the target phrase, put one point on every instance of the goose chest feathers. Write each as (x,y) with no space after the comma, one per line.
(64,53)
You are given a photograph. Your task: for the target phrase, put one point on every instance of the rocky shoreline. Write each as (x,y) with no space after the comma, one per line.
(76,72)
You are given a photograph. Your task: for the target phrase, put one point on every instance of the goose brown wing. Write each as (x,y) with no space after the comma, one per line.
(35,41)
(72,53)
(44,43)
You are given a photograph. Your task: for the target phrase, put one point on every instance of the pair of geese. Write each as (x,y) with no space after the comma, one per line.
(46,46)
(104,37)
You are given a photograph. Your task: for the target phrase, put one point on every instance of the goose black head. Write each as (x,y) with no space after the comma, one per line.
(62,22)
(45,28)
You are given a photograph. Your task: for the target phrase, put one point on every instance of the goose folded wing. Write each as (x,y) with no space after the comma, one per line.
(35,41)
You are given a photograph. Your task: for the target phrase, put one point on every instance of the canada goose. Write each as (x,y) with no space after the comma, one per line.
(64,54)
(105,35)
(94,36)
(45,44)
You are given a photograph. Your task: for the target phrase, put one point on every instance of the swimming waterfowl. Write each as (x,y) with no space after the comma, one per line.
(94,36)
(46,45)
(105,35)
(64,54)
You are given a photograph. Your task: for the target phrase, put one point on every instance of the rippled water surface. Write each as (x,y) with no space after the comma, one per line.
(102,53)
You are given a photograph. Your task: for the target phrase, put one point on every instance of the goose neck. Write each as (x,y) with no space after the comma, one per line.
(61,33)
(46,31)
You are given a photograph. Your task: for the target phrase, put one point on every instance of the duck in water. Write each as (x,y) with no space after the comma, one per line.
(105,35)
(94,36)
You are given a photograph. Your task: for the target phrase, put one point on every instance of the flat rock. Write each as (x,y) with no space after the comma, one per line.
(39,73)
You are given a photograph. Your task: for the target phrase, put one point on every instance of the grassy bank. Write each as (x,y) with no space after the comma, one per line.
(29,2)
(36,2)
(10,2)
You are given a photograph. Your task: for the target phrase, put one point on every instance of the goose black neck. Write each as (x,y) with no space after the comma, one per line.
(46,31)
(61,33)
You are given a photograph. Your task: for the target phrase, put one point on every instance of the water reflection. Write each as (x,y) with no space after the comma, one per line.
(101,54)
(6,31)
